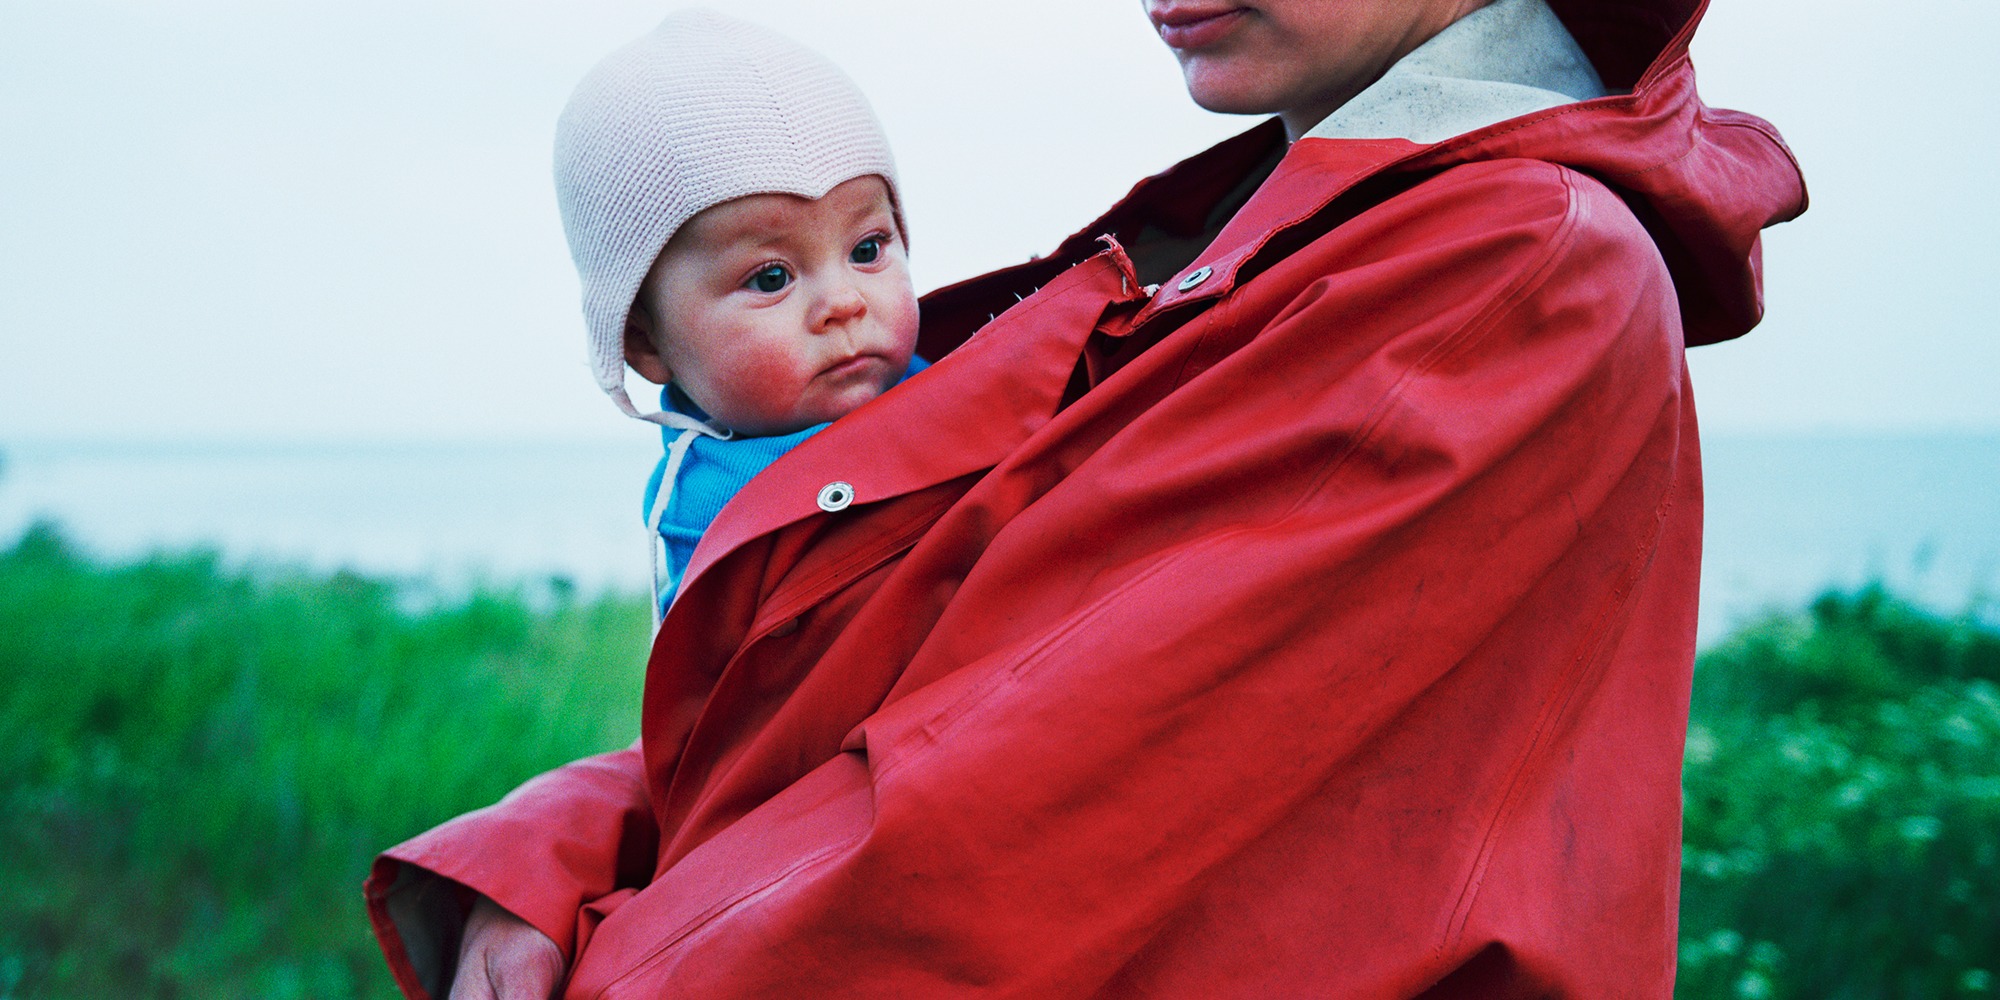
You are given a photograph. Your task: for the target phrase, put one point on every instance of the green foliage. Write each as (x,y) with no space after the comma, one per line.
(1843,807)
(198,763)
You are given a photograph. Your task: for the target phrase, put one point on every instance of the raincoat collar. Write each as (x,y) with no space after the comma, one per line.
(1507,59)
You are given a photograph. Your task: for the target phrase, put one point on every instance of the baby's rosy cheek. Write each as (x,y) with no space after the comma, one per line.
(764,376)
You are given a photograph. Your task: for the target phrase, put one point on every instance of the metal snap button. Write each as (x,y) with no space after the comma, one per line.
(835,496)
(1193,280)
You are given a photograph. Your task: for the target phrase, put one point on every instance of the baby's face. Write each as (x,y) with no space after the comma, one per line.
(775,312)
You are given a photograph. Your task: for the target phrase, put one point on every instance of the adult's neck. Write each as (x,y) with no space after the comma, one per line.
(1433,19)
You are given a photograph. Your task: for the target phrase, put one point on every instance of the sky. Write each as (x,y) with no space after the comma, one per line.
(305,220)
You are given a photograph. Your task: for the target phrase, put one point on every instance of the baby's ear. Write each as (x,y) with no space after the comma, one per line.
(641,353)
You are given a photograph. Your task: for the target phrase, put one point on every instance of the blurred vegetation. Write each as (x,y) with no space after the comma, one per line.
(1843,807)
(197,763)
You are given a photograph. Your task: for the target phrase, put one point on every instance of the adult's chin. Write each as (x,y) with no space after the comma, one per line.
(1221,86)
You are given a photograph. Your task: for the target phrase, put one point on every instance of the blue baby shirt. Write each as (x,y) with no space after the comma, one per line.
(712,472)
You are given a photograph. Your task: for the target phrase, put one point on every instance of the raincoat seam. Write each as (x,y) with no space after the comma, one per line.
(899,542)
(1603,626)
(948,716)
(811,593)
(1477,136)
(1693,146)
(702,921)
(1469,889)
(1194,350)
(1509,126)
(1709,116)
(1393,397)
(1590,650)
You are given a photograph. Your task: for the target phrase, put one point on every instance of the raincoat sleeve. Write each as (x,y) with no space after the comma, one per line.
(560,841)
(1452,419)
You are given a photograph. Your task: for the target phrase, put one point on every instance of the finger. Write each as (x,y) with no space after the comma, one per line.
(471,982)
(522,971)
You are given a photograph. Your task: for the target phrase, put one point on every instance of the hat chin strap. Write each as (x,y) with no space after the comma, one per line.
(667,418)
(665,589)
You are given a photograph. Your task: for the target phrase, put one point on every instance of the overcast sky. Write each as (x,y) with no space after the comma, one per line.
(316,220)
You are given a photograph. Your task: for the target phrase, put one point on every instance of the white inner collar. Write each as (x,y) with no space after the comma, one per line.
(1504,60)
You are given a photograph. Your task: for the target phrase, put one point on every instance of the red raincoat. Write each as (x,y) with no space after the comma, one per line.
(1325,631)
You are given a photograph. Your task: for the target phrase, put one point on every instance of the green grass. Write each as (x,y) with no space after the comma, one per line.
(197,764)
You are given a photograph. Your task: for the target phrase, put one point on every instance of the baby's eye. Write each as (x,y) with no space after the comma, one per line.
(866,251)
(770,279)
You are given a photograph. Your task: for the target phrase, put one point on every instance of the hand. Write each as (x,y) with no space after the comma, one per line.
(503,957)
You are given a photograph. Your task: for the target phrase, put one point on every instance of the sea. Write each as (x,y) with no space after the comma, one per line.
(1788,517)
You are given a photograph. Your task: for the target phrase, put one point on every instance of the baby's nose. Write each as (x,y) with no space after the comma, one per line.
(841,303)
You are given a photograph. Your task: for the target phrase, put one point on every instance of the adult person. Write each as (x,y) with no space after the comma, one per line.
(1318,622)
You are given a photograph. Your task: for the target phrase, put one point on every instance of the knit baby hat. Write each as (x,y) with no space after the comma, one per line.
(701,110)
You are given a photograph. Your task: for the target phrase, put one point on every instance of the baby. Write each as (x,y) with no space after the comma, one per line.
(730,204)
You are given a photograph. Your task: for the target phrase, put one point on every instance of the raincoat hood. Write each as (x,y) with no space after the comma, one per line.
(1704,180)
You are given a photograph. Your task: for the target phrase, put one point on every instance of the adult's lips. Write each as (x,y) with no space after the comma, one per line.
(1194,25)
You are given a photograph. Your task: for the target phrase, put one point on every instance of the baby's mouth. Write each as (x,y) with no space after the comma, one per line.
(855,365)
